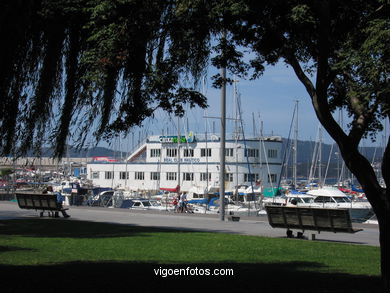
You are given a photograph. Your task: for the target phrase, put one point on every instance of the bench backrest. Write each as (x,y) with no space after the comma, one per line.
(319,219)
(37,201)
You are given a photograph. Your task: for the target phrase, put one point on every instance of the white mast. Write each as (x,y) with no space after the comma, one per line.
(222,147)
(207,158)
(237,133)
(295,148)
(320,159)
(178,154)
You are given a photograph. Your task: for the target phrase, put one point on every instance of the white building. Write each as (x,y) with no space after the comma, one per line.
(154,164)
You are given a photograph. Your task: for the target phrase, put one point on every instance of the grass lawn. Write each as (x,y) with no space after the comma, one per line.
(110,257)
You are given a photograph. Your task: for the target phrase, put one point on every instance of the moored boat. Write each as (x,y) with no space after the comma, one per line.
(331,197)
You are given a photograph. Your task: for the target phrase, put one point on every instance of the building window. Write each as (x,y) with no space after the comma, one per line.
(251,177)
(272,153)
(123,175)
(172,153)
(229,177)
(109,175)
(139,176)
(229,152)
(205,176)
(252,153)
(95,175)
(171,176)
(205,152)
(155,153)
(188,176)
(188,153)
(272,178)
(155,176)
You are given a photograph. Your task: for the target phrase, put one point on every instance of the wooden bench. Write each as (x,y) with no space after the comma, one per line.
(305,218)
(39,202)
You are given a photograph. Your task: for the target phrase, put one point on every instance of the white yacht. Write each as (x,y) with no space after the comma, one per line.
(146,204)
(331,197)
(166,162)
(300,200)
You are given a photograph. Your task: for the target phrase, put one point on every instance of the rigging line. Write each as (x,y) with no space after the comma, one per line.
(260,139)
(261,173)
(314,158)
(194,117)
(232,123)
(288,157)
(320,158)
(327,166)
(204,92)
(341,178)
(166,120)
(146,130)
(174,125)
(373,156)
(245,147)
(186,134)
(266,162)
(285,150)
(158,181)
(236,137)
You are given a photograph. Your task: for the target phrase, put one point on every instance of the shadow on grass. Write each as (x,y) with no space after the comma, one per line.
(72,228)
(13,248)
(141,277)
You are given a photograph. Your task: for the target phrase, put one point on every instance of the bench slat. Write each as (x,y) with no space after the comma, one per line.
(37,201)
(318,219)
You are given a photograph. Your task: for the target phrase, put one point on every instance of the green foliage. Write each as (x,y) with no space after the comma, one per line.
(70,64)
(76,67)
(363,70)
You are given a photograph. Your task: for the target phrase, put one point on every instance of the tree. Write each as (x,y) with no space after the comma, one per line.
(117,61)
(343,45)
(72,67)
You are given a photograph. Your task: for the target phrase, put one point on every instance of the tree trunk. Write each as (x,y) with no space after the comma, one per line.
(379,199)
(383,215)
(384,239)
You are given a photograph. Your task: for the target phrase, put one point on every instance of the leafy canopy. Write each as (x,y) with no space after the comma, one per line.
(72,67)
(76,66)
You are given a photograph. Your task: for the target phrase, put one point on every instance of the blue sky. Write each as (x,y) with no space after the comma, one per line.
(271,97)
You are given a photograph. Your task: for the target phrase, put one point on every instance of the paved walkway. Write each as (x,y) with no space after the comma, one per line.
(257,226)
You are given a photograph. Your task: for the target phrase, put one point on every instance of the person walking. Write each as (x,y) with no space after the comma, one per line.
(183,200)
(175,204)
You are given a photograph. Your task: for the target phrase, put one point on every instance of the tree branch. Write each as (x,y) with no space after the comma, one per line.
(361,123)
(386,164)
(320,104)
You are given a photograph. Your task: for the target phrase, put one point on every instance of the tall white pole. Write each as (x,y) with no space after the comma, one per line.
(321,184)
(222,147)
(178,153)
(237,134)
(295,163)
